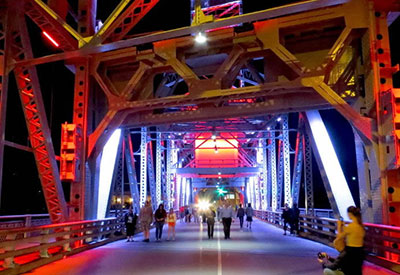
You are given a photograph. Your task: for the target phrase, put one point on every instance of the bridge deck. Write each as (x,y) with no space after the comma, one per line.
(263,250)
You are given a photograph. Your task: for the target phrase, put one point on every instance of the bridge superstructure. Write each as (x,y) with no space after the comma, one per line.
(168,91)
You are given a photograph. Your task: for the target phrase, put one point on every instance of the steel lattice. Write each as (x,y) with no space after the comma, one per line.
(143,168)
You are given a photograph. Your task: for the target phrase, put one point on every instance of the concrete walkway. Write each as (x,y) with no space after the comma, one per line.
(262,250)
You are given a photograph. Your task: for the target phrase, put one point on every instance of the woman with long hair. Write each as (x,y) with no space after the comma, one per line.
(351,258)
(160,215)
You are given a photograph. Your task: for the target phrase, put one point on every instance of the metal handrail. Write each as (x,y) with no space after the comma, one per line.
(61,239)
(381,241)
(18,221)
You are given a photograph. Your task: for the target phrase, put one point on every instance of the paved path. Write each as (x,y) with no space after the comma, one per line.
(262,250)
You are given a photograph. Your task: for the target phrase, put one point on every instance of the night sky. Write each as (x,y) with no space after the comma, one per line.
(21,186)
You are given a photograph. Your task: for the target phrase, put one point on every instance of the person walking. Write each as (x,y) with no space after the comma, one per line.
(160,215)
(227,215)
(294,221)
(249,215)
(285,217)
(240,215)
(146,218)
(171,220)
(351,259)
(210,216)
(130,223)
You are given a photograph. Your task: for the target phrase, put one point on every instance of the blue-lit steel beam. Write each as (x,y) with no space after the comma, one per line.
(298,163)
(143,169)
(308,176)
(272,170)
(150,171)
(159,173)
(264,175)
(286,159)
(332,174)
(168,180)
(132,177)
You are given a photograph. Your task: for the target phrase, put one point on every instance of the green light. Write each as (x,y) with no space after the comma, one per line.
(221,191)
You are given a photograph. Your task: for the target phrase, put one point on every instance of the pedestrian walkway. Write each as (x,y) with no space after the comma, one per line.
(262,250)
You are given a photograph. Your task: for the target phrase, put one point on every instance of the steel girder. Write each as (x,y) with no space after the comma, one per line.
(150,172)
(265,176)
(120,26)
(298,162)
(272,176)
(286,159)
(143,169)
(36,121)
(159,172)
(132,177)
(169,180)
(308,175)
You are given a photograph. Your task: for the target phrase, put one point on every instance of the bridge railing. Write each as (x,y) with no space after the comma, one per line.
(16,221)
(23,249)
(381,241)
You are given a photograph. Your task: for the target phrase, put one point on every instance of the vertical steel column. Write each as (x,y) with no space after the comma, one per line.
(256,192)
(286,159)
(150,171)
(130,167)
(143,168)
(168,174)
(281,172)
(36,121)
(272,170)
(298,166)
(159,172)
(174,162)
(4,51)
(308,176)
(264,175)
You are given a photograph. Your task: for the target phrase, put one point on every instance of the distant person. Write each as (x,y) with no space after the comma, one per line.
(286,215)
(182,213)
(171,220)
(240,215)
(210,216)
(130,223)
(350,260)
(294,219)
(227,215)
(195,212)
(146,218)
(249,215)
(160,215)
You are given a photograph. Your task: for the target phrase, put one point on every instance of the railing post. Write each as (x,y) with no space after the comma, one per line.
(9,261)
(44,253)
(66,246)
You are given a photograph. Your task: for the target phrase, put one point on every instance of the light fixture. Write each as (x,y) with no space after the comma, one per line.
(279,119)
(269,128)
(200,38)
(51,39)
(219,173)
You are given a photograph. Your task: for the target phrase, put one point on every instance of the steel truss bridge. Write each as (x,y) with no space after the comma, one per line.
(170,95)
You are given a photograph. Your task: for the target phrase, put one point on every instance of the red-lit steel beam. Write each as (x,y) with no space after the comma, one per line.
(127,20)
(87,10)
(50,25)
(35,117)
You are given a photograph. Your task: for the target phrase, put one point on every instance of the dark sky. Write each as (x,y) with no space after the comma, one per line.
(21,187)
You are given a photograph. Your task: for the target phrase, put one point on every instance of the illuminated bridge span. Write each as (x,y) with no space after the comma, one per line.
(194,103)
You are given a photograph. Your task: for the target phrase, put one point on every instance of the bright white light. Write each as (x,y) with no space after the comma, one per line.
(203,205)
(333,170)
(214,136)
(107,164)
(200,38)
(219,173)
(279,119)
(268,128)
(353,178)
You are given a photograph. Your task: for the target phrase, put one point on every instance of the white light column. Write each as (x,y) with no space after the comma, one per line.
(327,158)
(107,164)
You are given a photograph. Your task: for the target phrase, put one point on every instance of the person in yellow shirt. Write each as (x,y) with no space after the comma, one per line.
(171,220)
(351,259)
